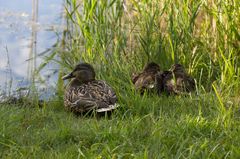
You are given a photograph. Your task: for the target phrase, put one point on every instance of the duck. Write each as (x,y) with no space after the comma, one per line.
(86,94)
(145,80)
(174,81)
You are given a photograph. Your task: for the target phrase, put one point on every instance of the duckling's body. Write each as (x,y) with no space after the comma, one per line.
(145,80)
(175,81)
(84,93)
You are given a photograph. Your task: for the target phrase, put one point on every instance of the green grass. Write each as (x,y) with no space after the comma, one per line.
(119,39)
(148,127)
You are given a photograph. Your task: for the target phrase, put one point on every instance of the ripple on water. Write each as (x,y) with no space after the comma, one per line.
(16,29)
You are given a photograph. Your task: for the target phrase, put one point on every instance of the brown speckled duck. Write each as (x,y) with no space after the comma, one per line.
(145,80)
(174,81)
(84,93)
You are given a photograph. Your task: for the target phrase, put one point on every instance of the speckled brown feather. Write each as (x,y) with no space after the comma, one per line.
(85,93)
(176,81)
(145,80)
(87,96)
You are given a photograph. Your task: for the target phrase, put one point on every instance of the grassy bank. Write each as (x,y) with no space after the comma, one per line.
(118,38)
(152,127)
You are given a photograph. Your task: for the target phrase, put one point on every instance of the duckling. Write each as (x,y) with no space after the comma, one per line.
(174,81)
(84,93)
(145,80)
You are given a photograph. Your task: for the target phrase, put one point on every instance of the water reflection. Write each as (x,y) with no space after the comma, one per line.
(27,28)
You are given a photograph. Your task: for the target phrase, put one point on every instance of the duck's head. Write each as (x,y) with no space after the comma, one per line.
(82,72)
(177,68)
(151,67)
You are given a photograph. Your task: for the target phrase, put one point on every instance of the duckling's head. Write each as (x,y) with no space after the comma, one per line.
(151,67)
(177,68)
(82,72)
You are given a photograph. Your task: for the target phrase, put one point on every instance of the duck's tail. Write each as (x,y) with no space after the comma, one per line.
(109,108)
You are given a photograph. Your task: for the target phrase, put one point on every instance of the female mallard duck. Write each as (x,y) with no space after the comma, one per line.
(84,93)
(145,80)
(174,81)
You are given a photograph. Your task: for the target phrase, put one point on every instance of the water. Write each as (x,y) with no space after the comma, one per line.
(26,29)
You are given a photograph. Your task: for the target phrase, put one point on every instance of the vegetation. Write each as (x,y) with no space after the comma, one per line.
(118,38)
(152,127)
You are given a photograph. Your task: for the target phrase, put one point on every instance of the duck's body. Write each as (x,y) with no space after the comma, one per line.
(145,80)
(89,94)
(175,81)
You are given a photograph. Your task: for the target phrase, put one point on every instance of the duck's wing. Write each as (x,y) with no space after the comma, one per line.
(178,83)
(77,100)
(109,108)
(93,95)
(108,97)
(86,104)
(170,83)
(105,95)
(145,81)
(102,91)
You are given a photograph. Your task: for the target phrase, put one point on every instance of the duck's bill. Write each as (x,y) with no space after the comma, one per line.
(68,76)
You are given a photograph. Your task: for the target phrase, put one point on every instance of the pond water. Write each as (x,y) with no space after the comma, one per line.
(27,28)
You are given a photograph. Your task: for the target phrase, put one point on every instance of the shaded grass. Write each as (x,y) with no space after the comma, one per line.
(149,127)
